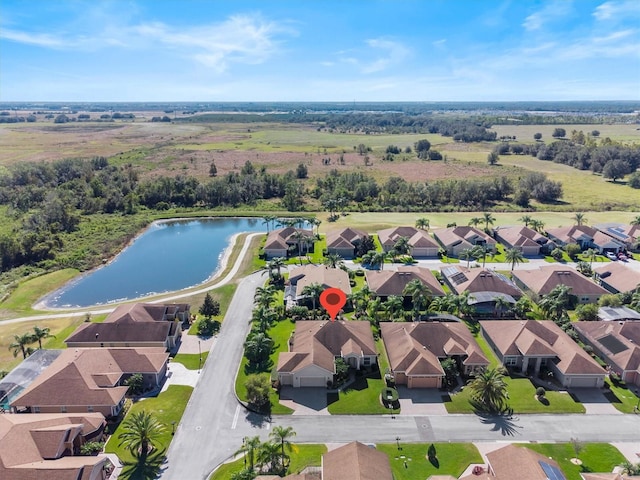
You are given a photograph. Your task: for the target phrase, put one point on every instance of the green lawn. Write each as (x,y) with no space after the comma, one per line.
(168,408)
(452,459)
(280,334)
(622,398)
(302,456)
(596,457)
(521,393)
(363,396)
(192,361)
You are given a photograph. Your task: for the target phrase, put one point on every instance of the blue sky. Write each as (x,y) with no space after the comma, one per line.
(299,50)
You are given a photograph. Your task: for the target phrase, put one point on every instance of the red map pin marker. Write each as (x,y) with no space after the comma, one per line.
(333,299)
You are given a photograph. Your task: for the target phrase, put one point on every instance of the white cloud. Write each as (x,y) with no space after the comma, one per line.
(551,11)
(616,10)
(238,39)
(395,53)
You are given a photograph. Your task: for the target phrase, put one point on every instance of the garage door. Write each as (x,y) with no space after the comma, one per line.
(424,382)
(313,382)
(581,382)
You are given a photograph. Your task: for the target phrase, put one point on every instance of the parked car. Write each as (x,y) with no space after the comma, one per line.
(622,256)
(611,256)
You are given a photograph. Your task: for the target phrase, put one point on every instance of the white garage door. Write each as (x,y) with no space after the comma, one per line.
(582,382)
(313,382)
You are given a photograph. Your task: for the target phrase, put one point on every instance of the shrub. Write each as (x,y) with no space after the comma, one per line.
(540,391)
(91,448)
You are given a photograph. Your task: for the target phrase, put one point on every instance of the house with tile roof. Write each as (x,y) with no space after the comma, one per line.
(456,239)
(282,240)
(485,287)
(385,283)
(345,242)
(421,243)
(629,235)
(544,279)
(518,462)
(524,239)
(134,325)
(586,237)
(416,349)
(314,346)
(47,446)
(617,277)
(617,344)
(84,380)
(529,345)
(305,275)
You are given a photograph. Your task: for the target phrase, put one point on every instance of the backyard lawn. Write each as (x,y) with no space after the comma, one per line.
(451,459)
(168,408)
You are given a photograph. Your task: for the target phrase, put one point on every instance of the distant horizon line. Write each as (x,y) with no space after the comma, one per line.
(350,102)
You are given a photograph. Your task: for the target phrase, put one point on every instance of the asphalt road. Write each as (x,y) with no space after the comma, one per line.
(214,423)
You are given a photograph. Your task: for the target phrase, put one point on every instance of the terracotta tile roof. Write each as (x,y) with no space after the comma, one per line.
(467,235)
(520,236)
(415,348)
(321,274)
(344,238)
(319,342)
(620,342)
(544,279)
(514,462)
(77,376)
(356,461)
(387,282)
(120,332)
(542,338)
(477,280)
(619,276)
(281,238)
(32,445)
(138,312)
(416,237)
(571,233)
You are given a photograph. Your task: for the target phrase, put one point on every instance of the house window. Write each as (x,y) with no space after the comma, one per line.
(36,409)
(543,361)
(89,408)
(63,409)
(366,361)
(511,361)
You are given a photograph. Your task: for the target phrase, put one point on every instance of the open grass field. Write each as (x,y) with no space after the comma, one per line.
(524,133)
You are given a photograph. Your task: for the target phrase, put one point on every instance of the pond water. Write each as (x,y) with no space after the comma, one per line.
(168,256)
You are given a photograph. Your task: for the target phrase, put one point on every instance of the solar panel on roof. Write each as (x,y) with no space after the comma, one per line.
(551,471)
(612,344)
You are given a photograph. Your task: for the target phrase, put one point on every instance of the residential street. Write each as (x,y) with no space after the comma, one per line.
(214,423)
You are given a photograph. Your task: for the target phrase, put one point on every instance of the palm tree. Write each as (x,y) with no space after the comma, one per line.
(419,293)
(316,223)
(301,239)
(249,447)
(513,256)
(423,223)
(268,455)
(402,246)
(501,303)
(460,303)
(265,296)
(489,389)
(313,290)
(269,220)
(537,225)
(263,318)
(257,349)
(441,304)
(393,305)
(591,255)
(276,263)
(467,254)
(333,260)
(40,333)
(488,219)
(141,431)
(580,219)
(475,221)
(374,259)
(281,435)
(20,343)
(556,303)
(526,219)
(636,220)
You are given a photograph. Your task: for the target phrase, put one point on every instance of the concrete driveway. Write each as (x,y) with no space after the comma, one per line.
(594,401)
(305,401)
(421,401)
